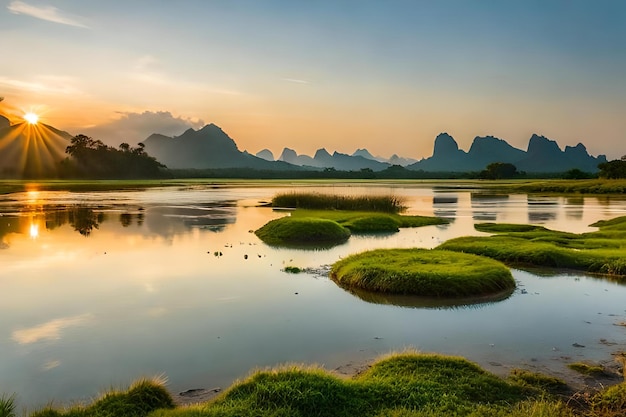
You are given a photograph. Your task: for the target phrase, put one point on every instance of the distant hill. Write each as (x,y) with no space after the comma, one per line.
(31,151)
(207,148)
(393,160)
(338,161)
(265,154)
(543,156)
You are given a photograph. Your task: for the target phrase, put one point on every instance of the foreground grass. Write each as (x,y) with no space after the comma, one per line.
(7,405)
(596,252)
(139,400)
(401,385)
(433,273)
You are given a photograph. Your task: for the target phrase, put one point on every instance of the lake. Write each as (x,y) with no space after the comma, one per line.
(101,288)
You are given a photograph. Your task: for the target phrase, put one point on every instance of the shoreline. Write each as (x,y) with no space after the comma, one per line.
(577,383)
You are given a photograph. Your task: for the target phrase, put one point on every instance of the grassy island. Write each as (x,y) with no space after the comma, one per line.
(289,231)
(432,273)
(330,219)
(601,251)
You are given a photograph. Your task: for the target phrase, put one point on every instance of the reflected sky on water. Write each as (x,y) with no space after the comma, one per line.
(101,288)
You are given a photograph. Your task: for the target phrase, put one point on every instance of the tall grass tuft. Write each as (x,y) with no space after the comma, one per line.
(7,405)
(139,400)
(316,201)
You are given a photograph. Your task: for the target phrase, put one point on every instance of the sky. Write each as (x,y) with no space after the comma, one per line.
(336,74)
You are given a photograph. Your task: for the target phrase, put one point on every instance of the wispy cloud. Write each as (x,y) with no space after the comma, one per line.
(297,81)
(48,13)
(50,330)
(49,84)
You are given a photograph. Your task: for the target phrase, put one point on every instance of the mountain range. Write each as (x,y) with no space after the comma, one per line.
(37,150)
(542,155)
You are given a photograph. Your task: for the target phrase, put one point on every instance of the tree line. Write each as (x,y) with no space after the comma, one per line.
(93,159)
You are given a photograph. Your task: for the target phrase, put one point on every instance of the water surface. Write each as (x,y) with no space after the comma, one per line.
(101,288)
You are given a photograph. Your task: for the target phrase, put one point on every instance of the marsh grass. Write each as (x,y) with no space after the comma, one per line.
(141,398)
(392,386)
(292,269)
(546,383)
(370,222)
(591,186)
(316,201)
(596,252)
(7,405)
(332,227)
(406,384)
(433,273)
(587,369)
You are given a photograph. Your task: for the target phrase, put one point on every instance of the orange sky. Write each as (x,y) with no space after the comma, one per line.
(347,75)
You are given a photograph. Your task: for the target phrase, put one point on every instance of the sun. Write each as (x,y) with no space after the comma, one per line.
(31,118)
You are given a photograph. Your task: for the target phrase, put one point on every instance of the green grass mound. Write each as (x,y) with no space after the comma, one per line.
(139,400)
(432,273)
(401,383)
(597,252)
(302,231)
(370,222)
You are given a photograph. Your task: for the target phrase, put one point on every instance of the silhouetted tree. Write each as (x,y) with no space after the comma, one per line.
(577,174)
(499,170)
(92,158)
(613,169)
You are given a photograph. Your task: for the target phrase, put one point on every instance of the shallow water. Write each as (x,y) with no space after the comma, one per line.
(98,289)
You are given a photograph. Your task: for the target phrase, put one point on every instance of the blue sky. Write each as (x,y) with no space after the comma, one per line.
(388,76)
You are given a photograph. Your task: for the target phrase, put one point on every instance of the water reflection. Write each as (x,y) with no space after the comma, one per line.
(445,205)
(171,220)
(574,207)
(485,206)
(438,303)
(84,219)
(542,209)
(162,220)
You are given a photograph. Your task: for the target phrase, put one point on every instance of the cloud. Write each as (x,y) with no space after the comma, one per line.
(297,81)
(43,84)
(51,365)
(47,13)
(136,127)
(50,330)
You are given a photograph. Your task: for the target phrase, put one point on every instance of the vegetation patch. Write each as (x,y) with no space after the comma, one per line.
(610,402)
(316,201)
(294,231)
(292,269)
(370,222)
(139,400)
(433,273)
(7,405)
(402,383)
(583,186)
(399,385)
(587,369)
(601,251)
(547,383)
